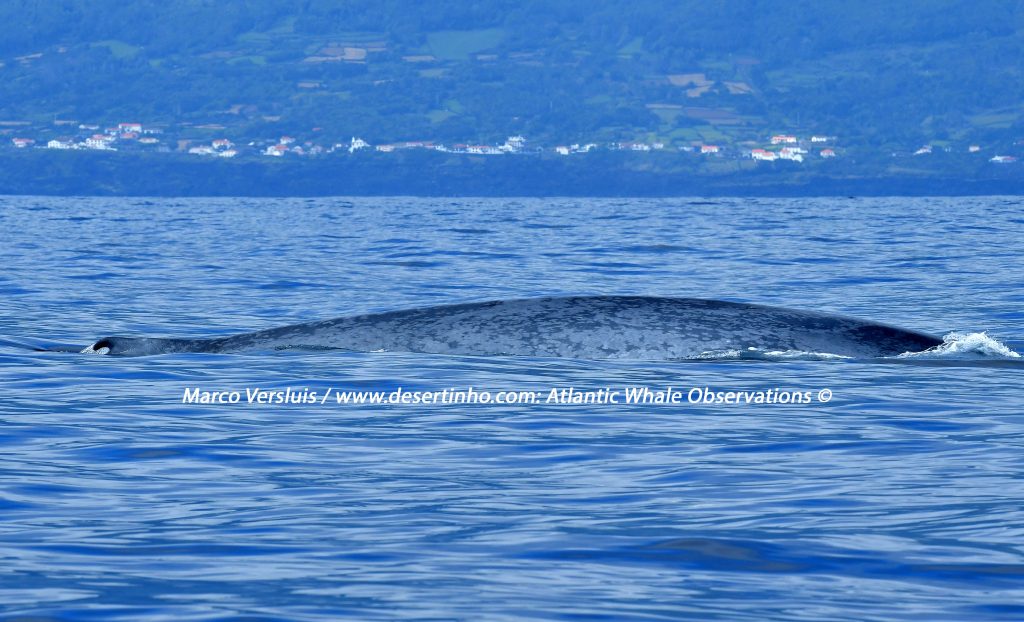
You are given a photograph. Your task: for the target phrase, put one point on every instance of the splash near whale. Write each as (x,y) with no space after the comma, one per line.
(580,327)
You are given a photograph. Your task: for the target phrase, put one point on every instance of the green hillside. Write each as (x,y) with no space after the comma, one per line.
(876,74)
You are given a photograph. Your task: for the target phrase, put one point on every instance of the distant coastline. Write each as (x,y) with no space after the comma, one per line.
(665,98)
(610,174)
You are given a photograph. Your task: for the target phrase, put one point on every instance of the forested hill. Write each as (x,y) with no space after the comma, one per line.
(875,73)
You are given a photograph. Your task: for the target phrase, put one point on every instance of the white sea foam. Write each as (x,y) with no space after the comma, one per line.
(955,346)
(757,354)
(90,350)
(965,345)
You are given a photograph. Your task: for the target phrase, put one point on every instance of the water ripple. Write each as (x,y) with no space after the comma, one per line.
(901,498)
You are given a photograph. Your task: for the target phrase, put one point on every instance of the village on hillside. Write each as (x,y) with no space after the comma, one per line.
(137,137)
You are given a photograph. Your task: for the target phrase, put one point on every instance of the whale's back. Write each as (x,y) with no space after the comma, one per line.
(583,327)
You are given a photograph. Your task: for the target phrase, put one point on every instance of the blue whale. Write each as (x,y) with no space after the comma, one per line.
(579,327)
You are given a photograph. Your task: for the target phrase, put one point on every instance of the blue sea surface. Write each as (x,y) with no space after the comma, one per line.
(900,498)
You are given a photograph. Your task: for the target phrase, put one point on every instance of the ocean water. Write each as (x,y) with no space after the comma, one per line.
(901,497)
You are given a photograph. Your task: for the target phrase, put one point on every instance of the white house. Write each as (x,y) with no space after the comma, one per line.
(783,139)
(827,153)
(515,143)
(60,144)
(1001,159)
(21,143)
(705,149)
(562,150)
(98,141)
(763,155)
(924,150)
(484,150)
(275,150)
(792,154)
(355,145)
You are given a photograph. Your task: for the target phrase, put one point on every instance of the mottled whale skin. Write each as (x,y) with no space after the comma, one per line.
(580,327)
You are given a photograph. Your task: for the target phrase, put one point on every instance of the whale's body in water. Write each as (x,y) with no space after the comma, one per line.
(581,327)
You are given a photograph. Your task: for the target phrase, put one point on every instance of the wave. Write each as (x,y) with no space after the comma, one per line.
(758,354)
(957,345)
